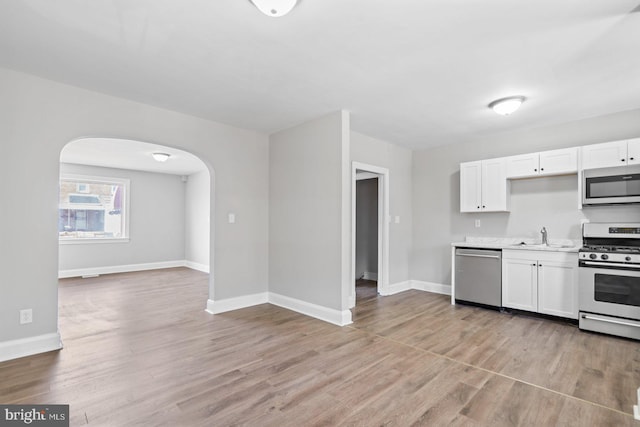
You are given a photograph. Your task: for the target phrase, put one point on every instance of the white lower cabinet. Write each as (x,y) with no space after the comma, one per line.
(540,281)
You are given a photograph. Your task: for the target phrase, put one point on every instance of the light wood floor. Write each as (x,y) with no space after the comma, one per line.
(140,350)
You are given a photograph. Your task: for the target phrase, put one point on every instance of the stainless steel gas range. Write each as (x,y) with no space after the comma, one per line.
(609,279)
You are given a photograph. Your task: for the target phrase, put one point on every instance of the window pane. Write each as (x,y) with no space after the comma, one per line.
(93,209)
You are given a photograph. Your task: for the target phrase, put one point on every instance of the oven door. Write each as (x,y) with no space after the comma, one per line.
(609,289)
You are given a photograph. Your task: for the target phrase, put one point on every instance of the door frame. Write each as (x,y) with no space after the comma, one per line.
(383,227)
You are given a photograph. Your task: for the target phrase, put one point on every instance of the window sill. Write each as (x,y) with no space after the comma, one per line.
(90,241)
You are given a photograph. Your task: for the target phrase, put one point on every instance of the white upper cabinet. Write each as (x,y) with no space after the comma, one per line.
(554,162)
(470,186)
(559,162)
(484,186)
(609,154)
(522,166)
(633,151)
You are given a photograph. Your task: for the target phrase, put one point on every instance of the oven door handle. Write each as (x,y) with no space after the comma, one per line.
(617,322)
(610,264)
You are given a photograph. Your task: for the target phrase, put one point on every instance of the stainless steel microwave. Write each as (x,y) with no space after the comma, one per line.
(611,186)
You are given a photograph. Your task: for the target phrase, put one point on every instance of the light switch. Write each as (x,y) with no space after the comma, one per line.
(477,223)
(397,220)
(232,218)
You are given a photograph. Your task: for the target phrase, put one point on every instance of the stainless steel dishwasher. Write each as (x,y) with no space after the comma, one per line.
(478,276)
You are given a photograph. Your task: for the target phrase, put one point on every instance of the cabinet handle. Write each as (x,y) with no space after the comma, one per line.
(630,158)
(483,206)
(533,264)
(622,160)
(535,170)
(478,207)
(541,169)
(539,265)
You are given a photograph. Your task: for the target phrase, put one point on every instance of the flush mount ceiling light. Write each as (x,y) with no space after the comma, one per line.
(274,8)
(161,157)
(506,106)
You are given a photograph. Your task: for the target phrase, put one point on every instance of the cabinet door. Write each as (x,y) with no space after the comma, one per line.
(470,186)
(633,151)
(557,162)
(525,165)
(494,185)
(558,288)
(604,155)
(519,284)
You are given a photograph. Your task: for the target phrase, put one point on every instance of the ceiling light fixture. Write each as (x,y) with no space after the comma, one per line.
(506,106)
(161,157)
(274,8)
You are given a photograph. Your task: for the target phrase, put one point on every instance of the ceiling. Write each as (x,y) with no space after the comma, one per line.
(415,73)
(126,154)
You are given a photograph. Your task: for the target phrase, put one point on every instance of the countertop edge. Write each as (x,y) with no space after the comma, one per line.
(510,246)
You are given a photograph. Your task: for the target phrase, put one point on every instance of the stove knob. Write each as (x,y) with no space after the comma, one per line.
(593,256)
(604,256)
(627,258)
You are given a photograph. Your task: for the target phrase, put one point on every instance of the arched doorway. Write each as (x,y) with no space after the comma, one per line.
(123,209)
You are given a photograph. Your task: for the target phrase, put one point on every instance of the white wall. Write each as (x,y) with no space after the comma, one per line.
(537,202)
(366,227)
(376,152)
(38,117)
(198,188)
(156,222)
(309,176)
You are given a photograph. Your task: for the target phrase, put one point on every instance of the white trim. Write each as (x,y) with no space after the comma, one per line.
(418,285)
(436,288)
(337,317)
(92,241)
(452,291)
(29,346)
(396,288)
(230,304)
(63,274)
(197,266)
(370,276)
(383,227)
(365,175)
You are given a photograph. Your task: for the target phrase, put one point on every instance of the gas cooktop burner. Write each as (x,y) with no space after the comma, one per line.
(618,249)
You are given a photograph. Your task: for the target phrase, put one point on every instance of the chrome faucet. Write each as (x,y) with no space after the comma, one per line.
(544,236)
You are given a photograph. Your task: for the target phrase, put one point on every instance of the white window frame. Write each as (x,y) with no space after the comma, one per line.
(126,199)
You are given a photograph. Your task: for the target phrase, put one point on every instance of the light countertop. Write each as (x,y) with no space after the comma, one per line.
(555,245)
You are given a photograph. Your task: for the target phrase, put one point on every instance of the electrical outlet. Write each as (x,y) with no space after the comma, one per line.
(477,223)
(26,316)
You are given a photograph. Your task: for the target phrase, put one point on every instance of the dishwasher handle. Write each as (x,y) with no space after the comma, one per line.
(477,255)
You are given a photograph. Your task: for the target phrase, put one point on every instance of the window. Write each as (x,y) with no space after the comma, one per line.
(92,208)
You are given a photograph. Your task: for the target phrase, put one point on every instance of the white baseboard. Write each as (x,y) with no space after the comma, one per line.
(370,276)
(395,288)
(197,266)
(29,346)
(330,315)
(63,274)
(230,304)
(418,285)
(351,300)
(436,288)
